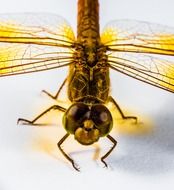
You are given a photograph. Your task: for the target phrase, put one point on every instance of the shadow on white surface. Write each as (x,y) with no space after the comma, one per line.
(150,154)
(143,154)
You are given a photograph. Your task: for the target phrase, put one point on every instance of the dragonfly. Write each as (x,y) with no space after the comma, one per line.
(38,42)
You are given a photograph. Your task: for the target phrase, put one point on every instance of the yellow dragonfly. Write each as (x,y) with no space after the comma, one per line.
(38,42)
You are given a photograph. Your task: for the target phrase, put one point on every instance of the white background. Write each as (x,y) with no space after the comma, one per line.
(29,158)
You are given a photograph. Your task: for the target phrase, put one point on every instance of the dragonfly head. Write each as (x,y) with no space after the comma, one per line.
(87,123)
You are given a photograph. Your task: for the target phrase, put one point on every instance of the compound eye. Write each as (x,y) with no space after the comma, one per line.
(74,116)
(102,118)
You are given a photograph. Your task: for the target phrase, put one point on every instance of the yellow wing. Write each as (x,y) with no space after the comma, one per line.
(34,42)
(137,49)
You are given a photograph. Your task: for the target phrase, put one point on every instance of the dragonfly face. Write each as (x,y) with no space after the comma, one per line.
(87,122)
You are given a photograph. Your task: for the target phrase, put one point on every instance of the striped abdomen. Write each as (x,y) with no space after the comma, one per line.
(88,22)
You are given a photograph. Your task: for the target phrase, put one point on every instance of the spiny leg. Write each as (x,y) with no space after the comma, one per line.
(58,92)
(111,99)
(66,155)
(55,107)
(107,154)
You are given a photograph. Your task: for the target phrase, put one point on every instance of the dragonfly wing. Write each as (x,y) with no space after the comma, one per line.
(137,48)
(34,42)
(152,70)
(139,37)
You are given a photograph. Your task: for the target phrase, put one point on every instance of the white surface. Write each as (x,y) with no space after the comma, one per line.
(139,162)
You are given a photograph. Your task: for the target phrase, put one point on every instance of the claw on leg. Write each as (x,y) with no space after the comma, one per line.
(131,118)
(66,155)
(48,94)
(22,121)
(112,148)
(121,112)
(105,164)
(58,92)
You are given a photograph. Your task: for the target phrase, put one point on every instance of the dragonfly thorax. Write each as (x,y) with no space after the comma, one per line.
(89,76)
(90,55)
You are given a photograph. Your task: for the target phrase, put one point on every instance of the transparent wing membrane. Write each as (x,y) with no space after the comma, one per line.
(152,70)
(34,42)
(37,42)
(137,48)
(139,37)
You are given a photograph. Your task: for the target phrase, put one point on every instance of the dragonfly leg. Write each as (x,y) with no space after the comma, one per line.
(107,154)
(111,99)
(32,122)
(58,92)
(66,155)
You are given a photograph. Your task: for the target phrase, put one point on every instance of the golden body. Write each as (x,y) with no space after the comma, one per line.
(127,47)
(89,76)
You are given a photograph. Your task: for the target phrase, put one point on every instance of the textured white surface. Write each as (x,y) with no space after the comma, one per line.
(139,162)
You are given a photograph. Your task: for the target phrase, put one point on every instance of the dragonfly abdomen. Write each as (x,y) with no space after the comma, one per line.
(88,22)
